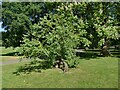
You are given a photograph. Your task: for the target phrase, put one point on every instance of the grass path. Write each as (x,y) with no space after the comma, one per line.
(13,62)
(6,60)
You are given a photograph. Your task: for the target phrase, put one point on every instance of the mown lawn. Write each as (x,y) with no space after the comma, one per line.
(6,50)
(93,73)
(7,54)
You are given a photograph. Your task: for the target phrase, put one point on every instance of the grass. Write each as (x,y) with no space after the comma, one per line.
(99,72)
(7,54)
(93,72)
(7,51)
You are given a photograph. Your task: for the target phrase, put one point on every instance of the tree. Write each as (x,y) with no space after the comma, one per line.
(106,26)
(102,20)
(18,17)
(56,36)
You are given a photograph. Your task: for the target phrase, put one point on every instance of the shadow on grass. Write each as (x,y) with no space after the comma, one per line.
(33,66)
(89,54)
(10,54)
(116,55)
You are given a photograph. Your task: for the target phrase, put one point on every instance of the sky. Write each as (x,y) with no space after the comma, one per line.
(1,29)
(1,22)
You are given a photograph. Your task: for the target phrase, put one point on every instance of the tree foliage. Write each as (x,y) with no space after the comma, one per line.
(18,17)
(100,18)
(56,36)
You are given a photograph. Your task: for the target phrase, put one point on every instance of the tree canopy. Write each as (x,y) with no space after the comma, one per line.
(18,17)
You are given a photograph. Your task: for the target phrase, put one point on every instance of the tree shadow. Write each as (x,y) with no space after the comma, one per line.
(88,56)
(91,55)
(116,54)
(10,54)
(33,66)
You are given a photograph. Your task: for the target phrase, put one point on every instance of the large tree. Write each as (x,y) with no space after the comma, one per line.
(18,17)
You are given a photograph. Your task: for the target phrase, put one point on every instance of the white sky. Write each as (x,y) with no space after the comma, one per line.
(1,29)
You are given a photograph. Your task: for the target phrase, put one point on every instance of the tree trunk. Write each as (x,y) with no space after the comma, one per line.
(105,48)
(105,51)
(65,67)
(62,65)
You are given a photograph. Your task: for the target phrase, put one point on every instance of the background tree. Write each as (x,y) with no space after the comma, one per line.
(106,28)
(17,18)
(102,22)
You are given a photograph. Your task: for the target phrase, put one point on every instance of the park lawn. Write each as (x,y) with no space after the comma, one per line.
(93,73)
(7,54)
(6,50)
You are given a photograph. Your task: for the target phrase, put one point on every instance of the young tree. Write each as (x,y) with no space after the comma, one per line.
(56,36)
